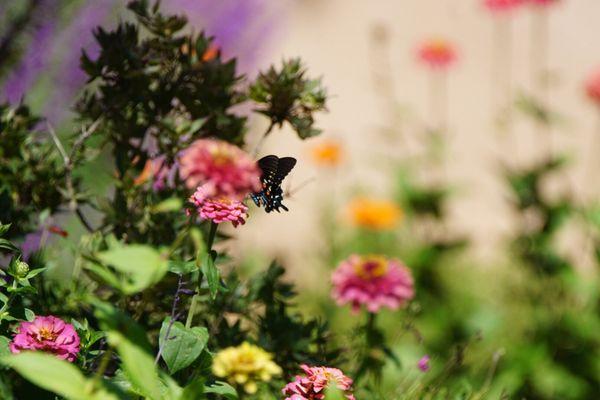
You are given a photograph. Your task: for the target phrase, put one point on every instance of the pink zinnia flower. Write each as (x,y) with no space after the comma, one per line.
(228,168)
(216,208)
(437,53)
(315,380)
(502,5)
(592,87)
(373,282)
(423,363)
(49,334)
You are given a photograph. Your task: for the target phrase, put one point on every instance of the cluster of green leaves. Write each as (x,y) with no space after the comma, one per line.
(148,295)
(32,173)
(287,95)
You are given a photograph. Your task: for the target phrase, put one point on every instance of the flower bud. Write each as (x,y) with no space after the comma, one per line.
(21,269)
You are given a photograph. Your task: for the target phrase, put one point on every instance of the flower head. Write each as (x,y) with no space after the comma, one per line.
(423,363)
(327,153)
(437,53)
(49,334)
(217,208)
(592,87)
(230,170)
(373,282)
(315,380)
(497,6)
(245,365)
(374,214)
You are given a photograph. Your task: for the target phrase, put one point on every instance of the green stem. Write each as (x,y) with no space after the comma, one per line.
(209,244)
(211,236)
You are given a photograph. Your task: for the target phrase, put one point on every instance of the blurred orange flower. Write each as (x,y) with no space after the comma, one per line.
(437,53)
(375,214)
(327,153)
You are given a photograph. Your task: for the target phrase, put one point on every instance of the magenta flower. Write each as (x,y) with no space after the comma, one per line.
(231,171)
(423,363)
(48,334)
(373,282)
(437,53)
(218,209)
(315,380)
(497,6)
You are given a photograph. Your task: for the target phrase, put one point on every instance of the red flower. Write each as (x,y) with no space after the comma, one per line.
(437,53)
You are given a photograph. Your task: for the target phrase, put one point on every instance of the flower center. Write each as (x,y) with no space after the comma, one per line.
(221,157)
(47,334)
(372,267)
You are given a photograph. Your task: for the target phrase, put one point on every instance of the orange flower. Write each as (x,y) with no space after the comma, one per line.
(374,214)
(327,153)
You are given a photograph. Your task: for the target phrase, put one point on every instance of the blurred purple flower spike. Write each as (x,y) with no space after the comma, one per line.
(241,29)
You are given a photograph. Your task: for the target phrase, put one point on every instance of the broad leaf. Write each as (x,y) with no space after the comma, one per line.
(223,389)
(140,266)
(50,373)
(183,345)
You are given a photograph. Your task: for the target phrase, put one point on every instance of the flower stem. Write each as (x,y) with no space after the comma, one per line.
(209,244)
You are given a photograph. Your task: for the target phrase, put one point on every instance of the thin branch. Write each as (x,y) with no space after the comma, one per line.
(174,317)
(69,161)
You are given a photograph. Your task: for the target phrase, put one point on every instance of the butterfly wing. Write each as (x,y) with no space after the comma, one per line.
(274,171)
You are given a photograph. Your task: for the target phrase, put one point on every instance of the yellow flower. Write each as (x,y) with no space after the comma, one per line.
(374,213)
(327,153)
(245,365)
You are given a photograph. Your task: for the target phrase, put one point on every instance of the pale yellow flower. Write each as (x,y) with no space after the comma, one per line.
(327,153)
(245,365)
(375,214)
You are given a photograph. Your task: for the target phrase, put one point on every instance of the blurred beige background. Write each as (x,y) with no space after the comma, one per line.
(336,40)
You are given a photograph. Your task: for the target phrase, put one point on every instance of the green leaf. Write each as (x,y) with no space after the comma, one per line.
(132,345)
(4,349)
(183,345)
(211,272)
(223,389)
(333,393)
(50,373)
(140,266)
(168,205)
(182,267)
(194,390)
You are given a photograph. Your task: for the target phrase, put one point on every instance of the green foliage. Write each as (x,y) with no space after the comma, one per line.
(286,95)
(32,173)
(181,346)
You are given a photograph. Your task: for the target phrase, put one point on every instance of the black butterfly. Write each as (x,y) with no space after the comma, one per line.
(274,170)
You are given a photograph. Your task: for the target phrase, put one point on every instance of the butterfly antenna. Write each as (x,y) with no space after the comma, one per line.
(289,192)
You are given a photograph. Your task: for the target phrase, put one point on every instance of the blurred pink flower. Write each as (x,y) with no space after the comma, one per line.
(592,87)
(423,363)
(373,282)
(218,209)
(437,53)
(502,5)
(232,171)
(315,380)
(49,334)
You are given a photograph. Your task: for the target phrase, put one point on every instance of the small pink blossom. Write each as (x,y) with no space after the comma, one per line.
(315,380)
(497,6)
(231,171)
(373,282)
(592,87)
(437,53)
(49,334)
(423,363)
(218,209)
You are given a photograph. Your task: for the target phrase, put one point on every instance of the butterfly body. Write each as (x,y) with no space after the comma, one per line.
(274,170)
